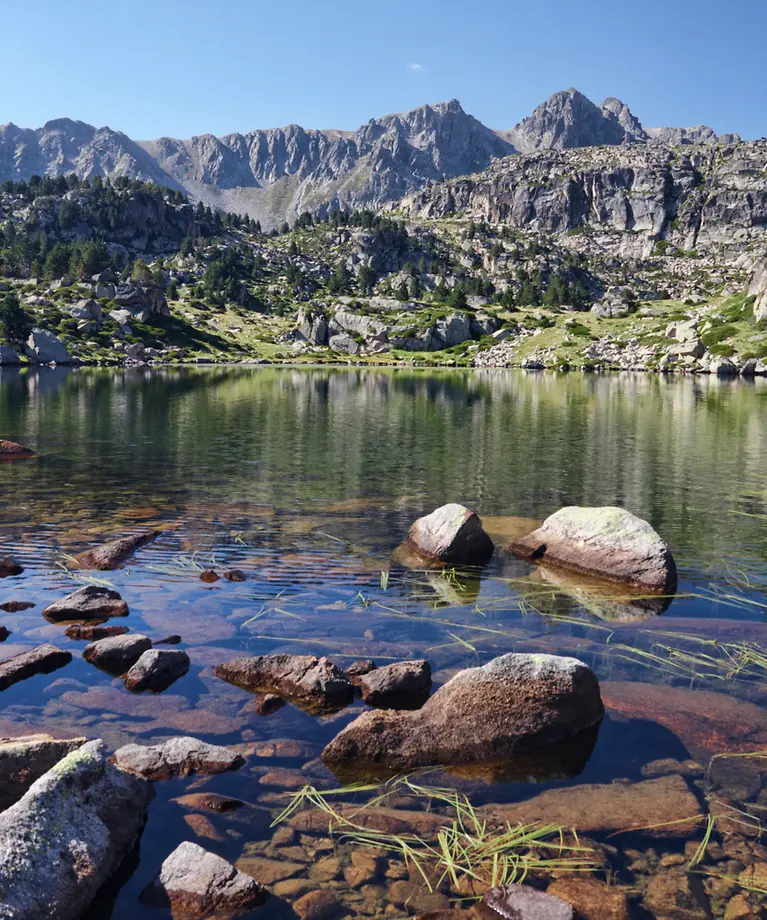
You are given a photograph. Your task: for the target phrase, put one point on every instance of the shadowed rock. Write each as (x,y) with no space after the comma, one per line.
(518,902)
(67,835)
(9,567)
(117,654)
(10,450)
(314,684)
(93,633)
(40,660)
(195,883)
(24,760)
(451,535)
(90,602)
(156,670)
(112,555)
(236,575)
(608,543)
(16,606)
(402,685)
(514,704)
(176,757)
(210,801)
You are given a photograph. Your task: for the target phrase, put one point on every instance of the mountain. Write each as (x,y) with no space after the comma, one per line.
(274,175)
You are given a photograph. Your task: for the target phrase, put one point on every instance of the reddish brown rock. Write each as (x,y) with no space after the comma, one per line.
(89,603)
(92,633)
(116,654)
(663,807)
(451,535)
(16,606)
(40,660)
(210,801)
(10,450)
(402,685)
(317,905)
(112,555)
(235,575)
(674,895)
(591,899)
(209,576)
(519,902)
(156,670)
(512,705)
(608,543)
(195,884)
(312,683)
(9,567)
(396,821)
(176,757)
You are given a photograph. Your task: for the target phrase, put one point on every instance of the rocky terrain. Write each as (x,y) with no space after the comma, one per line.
(274,175)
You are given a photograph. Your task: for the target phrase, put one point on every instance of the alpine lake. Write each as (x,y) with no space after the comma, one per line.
(307,480)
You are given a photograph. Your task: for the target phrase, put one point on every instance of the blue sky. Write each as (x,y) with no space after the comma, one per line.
(183,68)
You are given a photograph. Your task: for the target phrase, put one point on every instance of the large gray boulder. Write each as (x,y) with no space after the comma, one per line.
(512,705)
(66,836)
(90,602)
(44,347)
(156,670)
(608,543)
(180,756)
(452,535)
(343,342)
(451,330)
(24,760)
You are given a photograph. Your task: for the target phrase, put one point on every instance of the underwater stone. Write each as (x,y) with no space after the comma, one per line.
(518,902)
(40,660)
(112,555)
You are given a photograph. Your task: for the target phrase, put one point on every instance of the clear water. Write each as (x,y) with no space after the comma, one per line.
(307,479)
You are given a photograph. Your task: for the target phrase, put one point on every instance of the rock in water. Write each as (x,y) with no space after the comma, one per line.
(518,902)
(67,835)
(40,660)
(402,685)
(93,633)
(24,760)
(10,450)
(512,705)
(176,757)
(156,670)
(112,555)
(309,682)
(9,567)
(452,535)
(16,606)
(608,543)
(195,883)
(116,654)
(90,602)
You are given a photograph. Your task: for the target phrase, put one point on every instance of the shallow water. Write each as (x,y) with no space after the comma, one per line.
(307,479)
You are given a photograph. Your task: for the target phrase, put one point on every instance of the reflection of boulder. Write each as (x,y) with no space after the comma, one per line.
(455,589)
(606,601)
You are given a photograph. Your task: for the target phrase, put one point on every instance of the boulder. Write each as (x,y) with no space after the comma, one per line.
(16,606)
(116,654)
(44,347)
(8,356)
(343,342)
(402,685)
(128,294)
(78,632)
(107,276)
(87,310)
(609,543)
(452,535)
(10,450)
(67,835)
(483,324)
(40,660)
(592,899)
(90,602)
(176,757)
(24,760)
(518,902)
(101,289)
(722,367)
(122,318)
(113,554)
(314,684)
(512,705)
(156,670)
(9,567)
(195,883)
(450,331)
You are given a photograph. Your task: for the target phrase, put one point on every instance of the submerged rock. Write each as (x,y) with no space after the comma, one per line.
(266,703)
(10,450)
(519,902)
(452,535)
(117,654)
(402,685)
(67,835)
(9,567)
(93,633)
(112,555)
(513,704)
(210,801)
(24,760)
(16,606)
(90,602)
(592,899)
(608,543)
(309,682)
(176,757)
(235,575)
(40,660)
(156,670)
(195,883)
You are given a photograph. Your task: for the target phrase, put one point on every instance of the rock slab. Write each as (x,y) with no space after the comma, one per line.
(65,837)
(451,535)
(402,685)
(24,760)
(195,883)
(513,704)
(90,602)
(40,660)
(112,555)
(176,757)
(609,543)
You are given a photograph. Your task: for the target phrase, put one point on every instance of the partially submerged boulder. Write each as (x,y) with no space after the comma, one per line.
(520,902)
(67,835)
(195,883)
(40,660)
(512,705)
(116,654)
(16,606)
(9,567)
(24,760)
(451,535)
(315,684)
(608,543)
(91,602)
(112,555)
(156,670)
(176,757)
(402,685)
(10,450)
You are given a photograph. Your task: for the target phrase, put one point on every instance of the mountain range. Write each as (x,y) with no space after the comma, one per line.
(275,174)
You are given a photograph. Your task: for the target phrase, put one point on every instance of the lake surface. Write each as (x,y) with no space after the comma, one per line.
(307,480)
